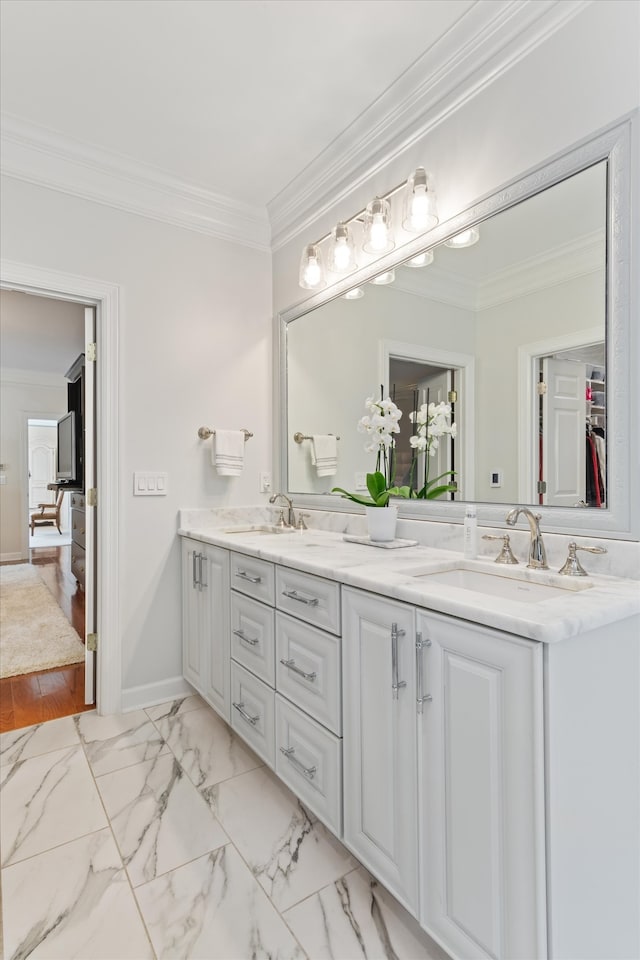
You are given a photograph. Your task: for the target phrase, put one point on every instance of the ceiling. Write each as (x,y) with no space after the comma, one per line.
(235,96)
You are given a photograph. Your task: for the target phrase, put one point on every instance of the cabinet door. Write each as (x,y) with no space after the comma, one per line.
(191,643)
(215,629)
(481,790)
(379,728)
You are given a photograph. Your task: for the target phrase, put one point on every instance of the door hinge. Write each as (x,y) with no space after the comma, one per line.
(541,486)
(92,497)
(541,388)
(91,352)
(452,396)
(92,642)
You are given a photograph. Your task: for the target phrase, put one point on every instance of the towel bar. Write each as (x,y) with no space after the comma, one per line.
(299,437)
(205,432)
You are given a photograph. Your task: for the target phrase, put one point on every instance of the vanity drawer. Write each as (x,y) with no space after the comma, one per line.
(309,598)
(252,636)
(253,577)
(78,501)
(252,712)
(308,669)
(309,760)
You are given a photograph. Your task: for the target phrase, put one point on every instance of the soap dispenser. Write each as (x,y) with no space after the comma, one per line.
(470,532)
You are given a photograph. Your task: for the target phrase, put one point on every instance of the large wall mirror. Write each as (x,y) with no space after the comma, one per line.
(525,332)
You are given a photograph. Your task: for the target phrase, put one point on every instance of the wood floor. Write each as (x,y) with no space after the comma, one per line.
(48,694)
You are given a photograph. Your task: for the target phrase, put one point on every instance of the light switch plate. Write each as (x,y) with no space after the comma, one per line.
(147,483)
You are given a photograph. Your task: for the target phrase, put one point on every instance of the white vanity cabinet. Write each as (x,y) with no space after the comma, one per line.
(205,622)
(380,731)
(481,789)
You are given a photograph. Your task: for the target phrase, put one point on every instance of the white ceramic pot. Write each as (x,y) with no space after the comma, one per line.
(382,522)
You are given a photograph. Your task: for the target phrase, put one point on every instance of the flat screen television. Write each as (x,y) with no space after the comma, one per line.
(68,461)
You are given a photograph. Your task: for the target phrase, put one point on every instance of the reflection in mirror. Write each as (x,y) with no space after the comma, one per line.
(513,325)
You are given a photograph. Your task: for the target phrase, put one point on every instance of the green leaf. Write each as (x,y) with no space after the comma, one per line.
(365,501)
(376,484)
(434,492)
(405,492)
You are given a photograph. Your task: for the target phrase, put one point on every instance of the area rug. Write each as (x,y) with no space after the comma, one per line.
(34,632)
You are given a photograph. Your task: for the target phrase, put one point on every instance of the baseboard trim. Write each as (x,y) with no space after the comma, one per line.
(13,557)
(150,694)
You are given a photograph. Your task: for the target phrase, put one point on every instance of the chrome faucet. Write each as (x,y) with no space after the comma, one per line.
(537,552)
(291,517)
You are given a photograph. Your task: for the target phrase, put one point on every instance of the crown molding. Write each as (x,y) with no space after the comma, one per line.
(49,159)
(485,43)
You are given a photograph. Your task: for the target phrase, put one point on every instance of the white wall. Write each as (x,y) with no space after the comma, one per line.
(578,81)
(23,394)
(195,349)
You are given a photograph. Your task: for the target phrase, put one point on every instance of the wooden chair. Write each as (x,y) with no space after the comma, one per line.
(48,514)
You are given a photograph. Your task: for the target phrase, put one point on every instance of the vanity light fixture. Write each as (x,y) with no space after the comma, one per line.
(311,267)
(466,238)
(341,256)
(422,260)
(383,278)
(420,212)
(419,216)
(356,294)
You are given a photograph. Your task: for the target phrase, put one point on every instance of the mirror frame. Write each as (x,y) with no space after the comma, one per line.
(621,519)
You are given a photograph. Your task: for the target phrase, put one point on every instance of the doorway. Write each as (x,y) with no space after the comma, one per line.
(46,667)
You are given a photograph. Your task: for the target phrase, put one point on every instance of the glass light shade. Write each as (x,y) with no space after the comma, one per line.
(377,227)
(422,260)
(341,255)
(356,294)
(311,268)
(384,278)
(419,209)
(466,238)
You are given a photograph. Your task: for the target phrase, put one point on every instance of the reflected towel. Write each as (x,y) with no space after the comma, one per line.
(324,454)
(227,452)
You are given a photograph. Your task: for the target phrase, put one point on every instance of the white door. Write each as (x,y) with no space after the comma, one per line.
(436,387)
(379,747)
(89,425)
(42,463)
(481,766)
(564,410)
(215,633)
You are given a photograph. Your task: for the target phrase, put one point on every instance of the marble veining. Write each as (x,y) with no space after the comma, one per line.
(41,738)
(159,819)
(119,741)
(40,804)
(290,852)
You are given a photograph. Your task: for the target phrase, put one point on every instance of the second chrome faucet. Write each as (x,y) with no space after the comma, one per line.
(537,552)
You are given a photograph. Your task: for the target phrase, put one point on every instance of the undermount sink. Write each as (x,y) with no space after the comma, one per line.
(507,586)
(260,528)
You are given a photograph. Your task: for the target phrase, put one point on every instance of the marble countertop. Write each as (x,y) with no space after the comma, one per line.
(585,604)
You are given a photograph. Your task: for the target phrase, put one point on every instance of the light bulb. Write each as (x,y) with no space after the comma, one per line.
(377,227)
(384,278)
(422,260)
(378,235)
(419,204)
(341,255)
(466,238)
(311,274)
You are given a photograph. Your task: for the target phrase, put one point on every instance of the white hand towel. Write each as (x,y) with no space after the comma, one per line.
(227,452)
(324,454)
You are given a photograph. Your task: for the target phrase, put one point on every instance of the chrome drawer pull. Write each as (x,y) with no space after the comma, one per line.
(245,715)
(252,640)
(291,665)
(289,752)
(421,644)
(243,575)
(294,595)
(396,684)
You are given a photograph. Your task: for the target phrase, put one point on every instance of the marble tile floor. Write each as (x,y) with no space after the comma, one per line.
(159,833)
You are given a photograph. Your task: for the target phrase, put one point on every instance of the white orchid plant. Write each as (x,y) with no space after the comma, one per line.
(432,421)
(380,424)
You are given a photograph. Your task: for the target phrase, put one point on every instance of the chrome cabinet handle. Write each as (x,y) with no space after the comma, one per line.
(200,580)
(291,665)
(243,575)
(421,644)
(245,716)
(395,684)
(308,772)
(194,575)
(241,634)
(294,595)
